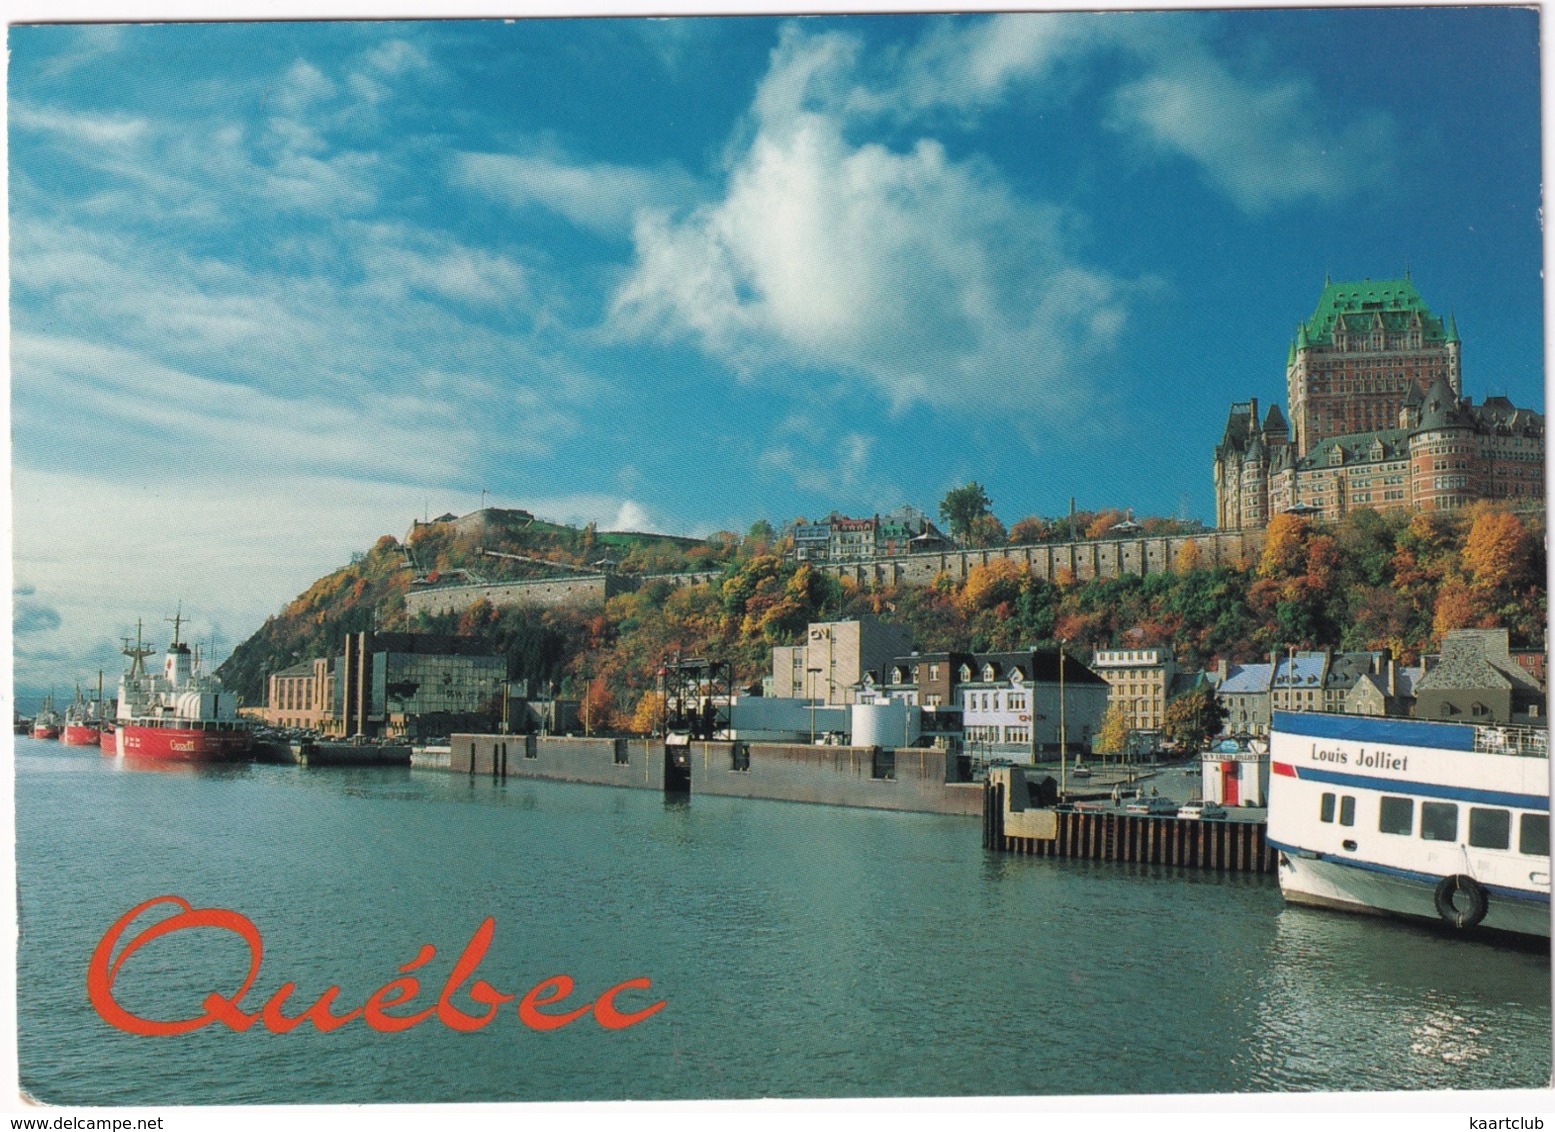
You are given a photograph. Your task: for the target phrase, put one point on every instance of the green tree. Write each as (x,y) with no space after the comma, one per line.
(1193,718)
(963,506)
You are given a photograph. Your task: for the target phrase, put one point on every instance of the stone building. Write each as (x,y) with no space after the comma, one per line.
(1377,419)
(1478,681)
(1140,680)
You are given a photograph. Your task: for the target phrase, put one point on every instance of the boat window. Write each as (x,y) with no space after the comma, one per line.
(1326,808)
(1490,829)
(1347,810)
(1533,836)
(1396,815)
(1438,821)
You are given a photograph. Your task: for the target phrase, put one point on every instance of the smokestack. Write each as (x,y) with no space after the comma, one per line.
(1392,676)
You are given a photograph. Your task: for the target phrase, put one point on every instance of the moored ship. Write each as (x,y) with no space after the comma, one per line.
(1444,822)
(177,713)
(84,719)
(45,725)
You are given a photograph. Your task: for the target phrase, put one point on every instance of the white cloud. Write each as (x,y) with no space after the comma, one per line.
(594,195)
(1261,144)
(922,273)
(106,131)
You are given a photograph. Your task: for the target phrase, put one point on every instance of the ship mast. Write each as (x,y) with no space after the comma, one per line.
(138,654)
(176,619)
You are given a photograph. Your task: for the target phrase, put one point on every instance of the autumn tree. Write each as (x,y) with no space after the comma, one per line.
(1112,739)
(650,709)
(1030,530)
(986,530)
(962,506)
(1284,544)
(1193,718)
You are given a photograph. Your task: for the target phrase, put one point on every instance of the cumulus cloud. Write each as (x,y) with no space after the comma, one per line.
(923,273)
(594,195)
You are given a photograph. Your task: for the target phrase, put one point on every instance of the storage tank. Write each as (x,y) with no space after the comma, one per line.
(893,724)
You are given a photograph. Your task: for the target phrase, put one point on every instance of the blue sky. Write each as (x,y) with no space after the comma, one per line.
(279,288)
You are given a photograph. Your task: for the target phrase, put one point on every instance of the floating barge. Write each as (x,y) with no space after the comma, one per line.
(1011,825)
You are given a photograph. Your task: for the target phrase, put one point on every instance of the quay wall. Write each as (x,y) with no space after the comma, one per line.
(832,776)
(637,763)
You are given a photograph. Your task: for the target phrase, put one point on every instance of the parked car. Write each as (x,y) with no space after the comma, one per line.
(1155,807)
(1204,811)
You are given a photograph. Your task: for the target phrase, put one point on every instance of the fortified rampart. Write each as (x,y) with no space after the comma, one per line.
(1080,561)
(542,592)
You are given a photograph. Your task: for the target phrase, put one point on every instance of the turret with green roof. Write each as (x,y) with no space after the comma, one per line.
(1354,307)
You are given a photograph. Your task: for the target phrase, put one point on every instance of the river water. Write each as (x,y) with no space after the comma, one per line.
(800,951)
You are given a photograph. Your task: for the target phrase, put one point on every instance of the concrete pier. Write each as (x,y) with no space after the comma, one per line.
(1012,826)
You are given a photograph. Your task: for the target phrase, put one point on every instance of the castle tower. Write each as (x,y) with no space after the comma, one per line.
(1355,360)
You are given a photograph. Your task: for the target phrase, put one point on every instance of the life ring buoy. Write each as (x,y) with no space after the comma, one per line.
(1447,908)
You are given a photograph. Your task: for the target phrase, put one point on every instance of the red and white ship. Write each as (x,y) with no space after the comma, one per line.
(176,713)
(84,719)
(45,724)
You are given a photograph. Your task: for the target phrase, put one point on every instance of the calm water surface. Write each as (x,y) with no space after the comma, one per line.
(803,951)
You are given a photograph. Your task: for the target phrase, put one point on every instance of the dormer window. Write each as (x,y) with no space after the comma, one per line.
(1017,677)
(896,675)
(966,672)
(990,674)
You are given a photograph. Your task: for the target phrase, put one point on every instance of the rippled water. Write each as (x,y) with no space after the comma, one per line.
(802,951)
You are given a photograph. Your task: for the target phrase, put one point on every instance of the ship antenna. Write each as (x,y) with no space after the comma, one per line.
(176,619)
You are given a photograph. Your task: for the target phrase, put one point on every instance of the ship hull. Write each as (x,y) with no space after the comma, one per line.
(1341,885)
(186,744)
(108,742)
(45,732)
(79,735)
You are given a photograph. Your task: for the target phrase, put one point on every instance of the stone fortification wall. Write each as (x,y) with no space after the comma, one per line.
(541,592)
(1104,558)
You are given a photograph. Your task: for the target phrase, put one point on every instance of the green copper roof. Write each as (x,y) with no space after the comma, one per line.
(1358,303)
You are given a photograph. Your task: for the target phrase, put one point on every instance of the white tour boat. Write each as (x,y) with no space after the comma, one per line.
(1436,821)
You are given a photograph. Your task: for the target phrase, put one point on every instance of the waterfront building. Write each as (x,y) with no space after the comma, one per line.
(831,663)
(1478,681)
(852,540)
(302,696)
(1389,691)
(417,684)
(1140,682)
(1296,683)
(1243,691)
(1377,419)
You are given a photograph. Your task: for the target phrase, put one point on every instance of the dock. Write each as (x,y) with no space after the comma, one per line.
(1012,825)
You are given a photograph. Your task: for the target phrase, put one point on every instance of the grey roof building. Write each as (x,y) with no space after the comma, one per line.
(1477,681)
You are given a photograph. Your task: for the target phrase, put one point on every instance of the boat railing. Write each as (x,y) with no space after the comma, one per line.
(1513,739)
